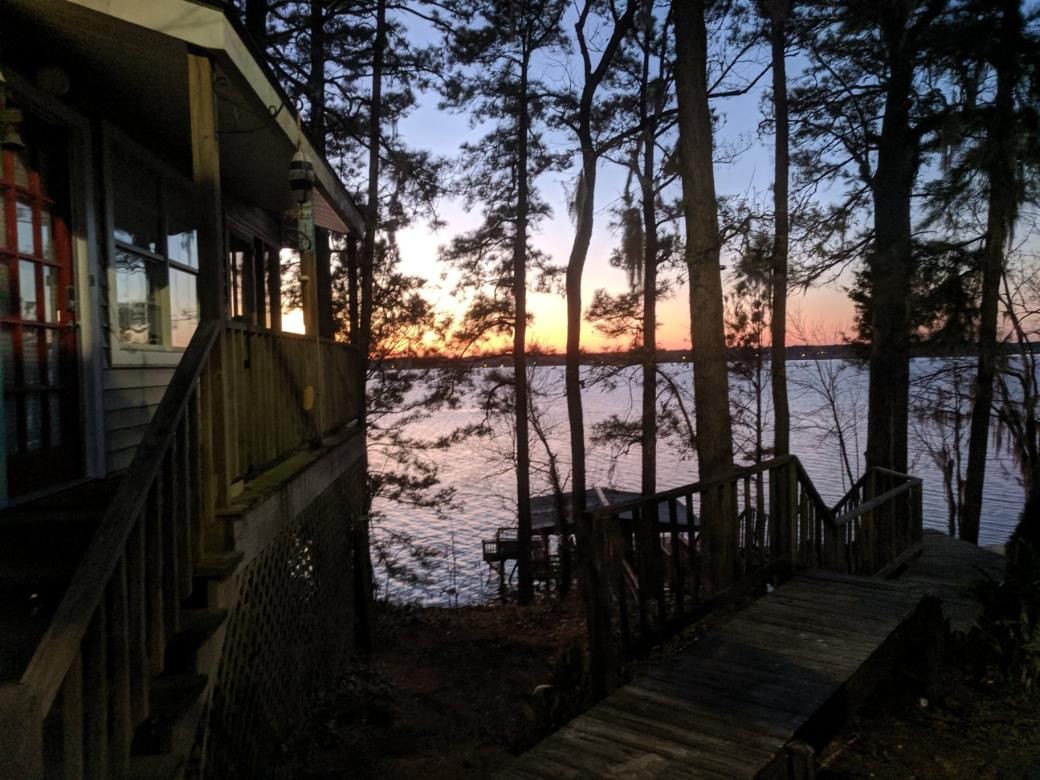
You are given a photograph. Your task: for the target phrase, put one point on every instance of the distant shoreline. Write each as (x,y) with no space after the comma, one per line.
(805,352)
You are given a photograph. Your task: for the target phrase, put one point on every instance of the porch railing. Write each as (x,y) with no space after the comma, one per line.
(650,574)
(237,400)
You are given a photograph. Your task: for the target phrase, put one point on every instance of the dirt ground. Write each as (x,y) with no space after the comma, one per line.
(450,696)
(975,728)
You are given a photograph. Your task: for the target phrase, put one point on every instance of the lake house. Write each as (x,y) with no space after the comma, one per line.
(183,548)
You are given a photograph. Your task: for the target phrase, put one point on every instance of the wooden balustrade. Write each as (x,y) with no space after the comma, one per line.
(90,675)
(651,554)
(284,391)
(237,401)
(874,523)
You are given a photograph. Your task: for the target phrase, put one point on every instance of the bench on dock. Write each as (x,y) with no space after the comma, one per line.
(755,696)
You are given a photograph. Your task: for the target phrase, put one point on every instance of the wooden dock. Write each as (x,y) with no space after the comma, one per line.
(757,695)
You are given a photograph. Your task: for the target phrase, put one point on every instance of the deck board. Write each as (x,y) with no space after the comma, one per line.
(730,704)
(951,570)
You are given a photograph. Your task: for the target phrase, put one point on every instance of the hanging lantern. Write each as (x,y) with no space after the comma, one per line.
(10,118)
(301,175)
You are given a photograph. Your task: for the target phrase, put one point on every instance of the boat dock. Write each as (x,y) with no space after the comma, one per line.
(504,546)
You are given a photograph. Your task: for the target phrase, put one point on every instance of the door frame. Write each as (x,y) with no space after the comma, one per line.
(83,227)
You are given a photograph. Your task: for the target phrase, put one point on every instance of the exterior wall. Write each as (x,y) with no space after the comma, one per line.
(130,398)
(291,603)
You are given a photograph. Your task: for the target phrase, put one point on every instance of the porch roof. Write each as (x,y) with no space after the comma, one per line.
(142,47)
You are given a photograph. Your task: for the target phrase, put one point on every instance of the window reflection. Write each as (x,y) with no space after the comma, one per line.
(30,356)
(184,307)
(50,293)
(7,355)
(139,283)
(27,289)
(46,242)
(33,422)
(182,239)
(24,225)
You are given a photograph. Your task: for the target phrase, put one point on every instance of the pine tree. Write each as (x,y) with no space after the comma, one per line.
(494,57)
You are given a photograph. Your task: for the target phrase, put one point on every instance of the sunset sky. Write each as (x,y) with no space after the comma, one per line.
(825,312)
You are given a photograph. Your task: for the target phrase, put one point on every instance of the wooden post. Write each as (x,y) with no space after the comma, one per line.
(205,159)
(791,524)
(309,275)
(352,287)
(21,732)
(602,655)
(323,279)
(312,375)
(274,288)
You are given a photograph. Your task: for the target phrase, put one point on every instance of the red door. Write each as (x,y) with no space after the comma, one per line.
(37,324)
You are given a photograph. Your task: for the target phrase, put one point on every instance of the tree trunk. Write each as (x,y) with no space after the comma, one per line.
(367,273)
(1000,172)
(256,21)
(710,381)
(648,481)
(368,248)
(316,77)
(889,265)
(593,581)
(778,12)
(520,389)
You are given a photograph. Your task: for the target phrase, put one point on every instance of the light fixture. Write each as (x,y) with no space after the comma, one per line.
(10,118)
(301,175)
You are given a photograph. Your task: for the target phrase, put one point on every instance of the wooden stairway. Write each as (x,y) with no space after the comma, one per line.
(753,697)
(41,545)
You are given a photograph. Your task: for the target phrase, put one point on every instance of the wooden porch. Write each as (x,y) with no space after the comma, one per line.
(109,665)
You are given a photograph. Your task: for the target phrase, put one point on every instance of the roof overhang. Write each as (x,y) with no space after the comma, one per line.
(204,26)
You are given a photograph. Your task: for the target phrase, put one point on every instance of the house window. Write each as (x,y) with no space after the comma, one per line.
(156,258)
(248,280)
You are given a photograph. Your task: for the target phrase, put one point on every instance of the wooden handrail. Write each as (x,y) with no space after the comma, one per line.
(810,489)
(877,501)
(694,487)
(794,527)
(109,635)
(60,644)
(246,327)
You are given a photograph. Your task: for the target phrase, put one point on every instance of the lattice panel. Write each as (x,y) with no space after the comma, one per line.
(288,634)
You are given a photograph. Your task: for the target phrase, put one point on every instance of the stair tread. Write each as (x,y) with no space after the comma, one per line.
(18,643)
(198,625)
(218,566)
(172,695)
(159,767)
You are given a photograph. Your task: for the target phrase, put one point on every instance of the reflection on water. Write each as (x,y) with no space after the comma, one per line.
(481,470)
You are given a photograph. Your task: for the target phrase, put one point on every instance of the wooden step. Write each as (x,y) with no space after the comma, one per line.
(26,609)
(18,641)
(162,767)
(218,566)
(172,695)
(196,626)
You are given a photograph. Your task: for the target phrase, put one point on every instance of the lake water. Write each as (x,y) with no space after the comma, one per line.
(480,470)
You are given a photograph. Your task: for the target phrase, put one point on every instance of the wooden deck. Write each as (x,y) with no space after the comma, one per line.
(784,672)
(951,570)
(786,668)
